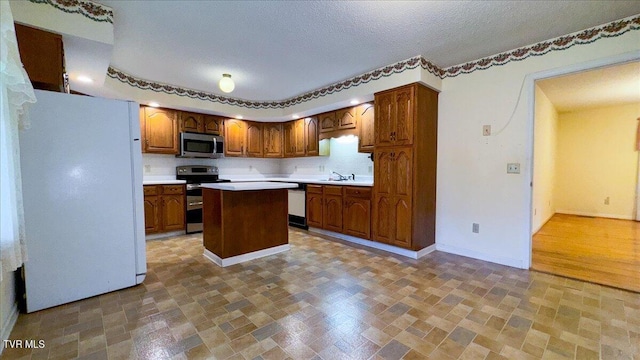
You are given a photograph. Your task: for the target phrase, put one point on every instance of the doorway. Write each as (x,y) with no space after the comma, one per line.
(585,176)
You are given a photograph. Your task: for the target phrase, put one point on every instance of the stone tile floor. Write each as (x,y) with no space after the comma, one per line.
(325,299)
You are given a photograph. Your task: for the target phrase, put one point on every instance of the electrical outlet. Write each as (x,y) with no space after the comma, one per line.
(475,228)
(486,130)
(513,168)
(147,168)
(606,201)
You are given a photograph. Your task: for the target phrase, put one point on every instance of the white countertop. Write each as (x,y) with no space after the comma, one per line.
(161,180)
(253,185)
(305,180)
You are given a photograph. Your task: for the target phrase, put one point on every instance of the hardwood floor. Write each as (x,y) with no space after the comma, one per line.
(599,250)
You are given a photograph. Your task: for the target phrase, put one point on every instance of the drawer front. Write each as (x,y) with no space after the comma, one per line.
(172,189)
(150,190)
(314,189)
(333,190)
(356,191)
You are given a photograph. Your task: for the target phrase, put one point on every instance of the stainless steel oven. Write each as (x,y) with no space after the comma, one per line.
(196,145)
(196,175)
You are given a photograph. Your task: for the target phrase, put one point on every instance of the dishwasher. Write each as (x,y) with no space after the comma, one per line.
(298,207)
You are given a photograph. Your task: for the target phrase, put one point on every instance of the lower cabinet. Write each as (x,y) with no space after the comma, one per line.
(164,208)
(343,209)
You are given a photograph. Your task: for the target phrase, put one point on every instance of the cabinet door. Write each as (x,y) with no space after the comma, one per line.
(346,118)
(357,217)
(300,145)
(365,120)
(42,56)
(191,122)
(314,206)
(402,223)
(151,214)
(403,132)
(160,131)
(402,172)
(332,214)
(312,146)
(173,212)
(234,132)
(385,118)
(327,122)
(289,139)
(254,139)
(383,219)
(384,173)
(272,138)
(212,124)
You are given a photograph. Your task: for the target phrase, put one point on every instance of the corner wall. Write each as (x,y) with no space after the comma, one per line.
(597,160)
(544,159)
(473,185)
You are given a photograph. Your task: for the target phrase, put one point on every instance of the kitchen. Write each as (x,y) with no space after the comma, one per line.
(249,167)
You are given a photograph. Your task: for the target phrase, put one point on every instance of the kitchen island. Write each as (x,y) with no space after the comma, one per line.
(244,220)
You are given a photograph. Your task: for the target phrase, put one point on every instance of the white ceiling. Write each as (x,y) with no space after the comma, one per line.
(614,85)
(279,49)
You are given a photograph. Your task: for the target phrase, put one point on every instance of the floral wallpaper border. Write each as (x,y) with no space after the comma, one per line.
(94,11)
(588,36)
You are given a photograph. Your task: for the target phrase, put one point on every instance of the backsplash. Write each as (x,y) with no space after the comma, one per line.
(344,159)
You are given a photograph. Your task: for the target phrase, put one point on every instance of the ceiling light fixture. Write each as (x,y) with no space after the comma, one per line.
(226,84)
(354,102)
(84,79)
(294,116)
(239,117)
(154,104)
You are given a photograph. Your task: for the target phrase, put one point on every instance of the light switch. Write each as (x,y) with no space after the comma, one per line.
(513,168)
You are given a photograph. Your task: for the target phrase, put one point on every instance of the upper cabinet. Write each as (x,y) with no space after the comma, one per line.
(366,128)
(235,134)
(254,139)
(42,56)
(159,130)
(301,137)
(272,137)
(346,118)
(312,147)
(327,122)
(191,122)
(212,124)
(394,117)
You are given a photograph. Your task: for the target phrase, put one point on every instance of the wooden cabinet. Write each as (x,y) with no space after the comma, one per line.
(395,117)
(164,208)
(301,137)
(315,205)
(298,130)
(159,130)
(327,122)
(405,172)
(332,211)
(312,146)
(254,139)
(357,212)
(289,134)
(346,118)
(42,56)
(212,124)
(366,129)
(191,122)
(234,137)
(272,136)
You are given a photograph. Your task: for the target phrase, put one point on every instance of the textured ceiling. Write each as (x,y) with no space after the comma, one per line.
(614,85)
(279,49)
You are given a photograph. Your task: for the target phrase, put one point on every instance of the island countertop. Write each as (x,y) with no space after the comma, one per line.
(256,185)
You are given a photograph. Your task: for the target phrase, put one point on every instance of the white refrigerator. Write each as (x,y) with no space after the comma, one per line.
(81,167)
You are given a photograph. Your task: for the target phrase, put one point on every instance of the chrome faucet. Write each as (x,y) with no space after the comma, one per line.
(340,177)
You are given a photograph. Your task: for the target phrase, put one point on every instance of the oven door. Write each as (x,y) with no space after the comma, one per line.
(194,209)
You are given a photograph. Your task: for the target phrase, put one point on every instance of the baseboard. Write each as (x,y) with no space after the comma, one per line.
(244,257)
(164,235)
(517,263)
(8,325)
(542,223)
(608,216)
(376,245)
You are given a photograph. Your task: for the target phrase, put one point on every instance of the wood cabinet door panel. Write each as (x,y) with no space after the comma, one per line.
(151,214)
(311,136)
(357,217)
(173,212)
(254,139)
(332,215)
(289,139)
(314,209)
(384,173)
(212,125)
(385,112)
(235,132)
(191,122)
(382,219)
(403,165)
(403,132)
(272,135)
(42,55)
(346,118)
(299,138)
(160,131)
(366,125)
(402,229)
(327,122)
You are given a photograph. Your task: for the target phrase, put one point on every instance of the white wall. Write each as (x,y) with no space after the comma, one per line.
(8,309)
(544,159)
(473,185)
(597,159)
(165,165)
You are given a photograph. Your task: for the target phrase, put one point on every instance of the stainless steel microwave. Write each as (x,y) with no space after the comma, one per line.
(196,145)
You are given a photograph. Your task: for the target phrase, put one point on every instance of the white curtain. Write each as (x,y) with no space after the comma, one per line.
(15,92)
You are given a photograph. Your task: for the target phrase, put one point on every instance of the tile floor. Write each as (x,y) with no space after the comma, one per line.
(325,299)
